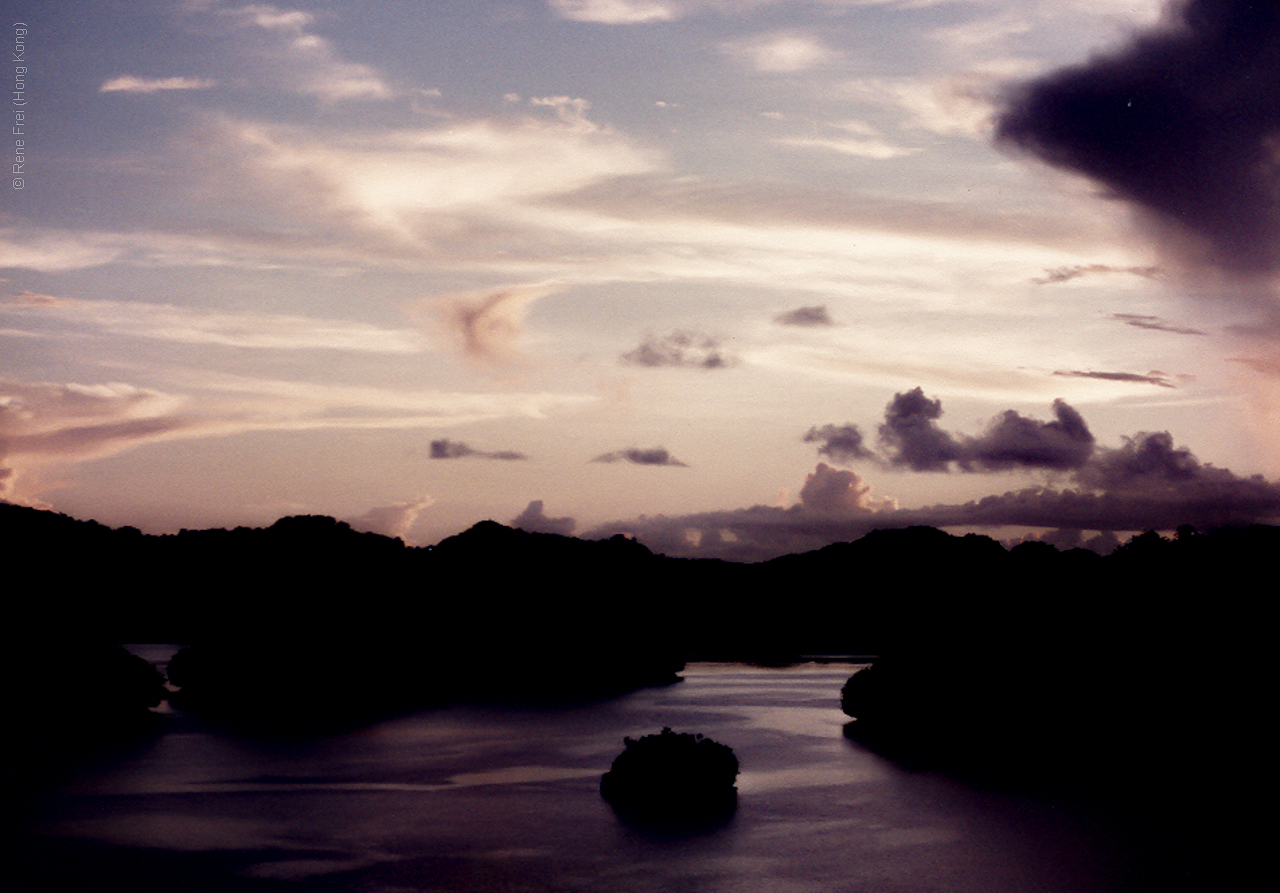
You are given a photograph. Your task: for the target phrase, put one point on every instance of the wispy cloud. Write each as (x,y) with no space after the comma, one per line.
(817,315)
(680,348)
(1066,274)
(166,322)
(444,448)
(855,138)
(291,54)
(50,424)
(639,456)
(132,84)
(1161,379)
(392,520)
(780,51)
(617,12)
(486,324)
(1155,323)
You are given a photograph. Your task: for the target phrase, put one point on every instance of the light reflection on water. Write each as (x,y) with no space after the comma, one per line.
(474,798)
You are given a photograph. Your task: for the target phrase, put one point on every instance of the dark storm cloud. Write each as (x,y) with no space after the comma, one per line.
(1155,323)
(1182,123)
(911,435)
(1156,378)
(840,443)
(444,448)
(1146,483)
(680,348)
(1015,441)
(534,520)
(1145,460)
(652,456)
(805,316)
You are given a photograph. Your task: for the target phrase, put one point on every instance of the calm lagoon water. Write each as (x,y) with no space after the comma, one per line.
(481,799)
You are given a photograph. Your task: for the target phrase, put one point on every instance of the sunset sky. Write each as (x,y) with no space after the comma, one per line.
(735,276)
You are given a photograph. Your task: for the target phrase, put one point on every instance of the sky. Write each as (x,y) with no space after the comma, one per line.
(734,277)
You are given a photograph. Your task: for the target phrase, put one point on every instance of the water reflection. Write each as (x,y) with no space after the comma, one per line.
(474,798)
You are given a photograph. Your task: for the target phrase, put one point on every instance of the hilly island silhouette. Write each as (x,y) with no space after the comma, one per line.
(1014,662)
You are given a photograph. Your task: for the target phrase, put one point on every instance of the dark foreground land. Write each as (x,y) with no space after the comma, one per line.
(1019,664)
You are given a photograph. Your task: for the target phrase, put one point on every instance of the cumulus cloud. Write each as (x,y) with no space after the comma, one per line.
(829,489)
(1015,441)
(1145,484)
(1181,123)
(391,520)
(131,84)
(911,437)
(840,443)
(1144,460)
(1148,482)
(805,316)
(534,519)
(638,456)
(444,448)
(680,348)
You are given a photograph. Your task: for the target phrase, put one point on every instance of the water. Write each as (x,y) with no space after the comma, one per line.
(480,799)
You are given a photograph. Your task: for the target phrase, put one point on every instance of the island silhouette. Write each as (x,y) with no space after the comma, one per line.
(1022,662)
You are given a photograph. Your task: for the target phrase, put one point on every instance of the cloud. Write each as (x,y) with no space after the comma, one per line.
(805,316)
(1146,484)
(911,435)
(958,105)
(49,424)
(426,189)
(831,490)
(535,520)
(1145,460)
(487,324)
(444,448)
(241,329)
(43,423)
(1066,274)
(1159,379)
(391,520)
(779,51)
(617,12)
(130,84)
(679,348)
(1181,123)
(636,456)
(1145,321)
(1015,441)
(840,443)
(855,138)
(569,110)
(292,55)
(913,438)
